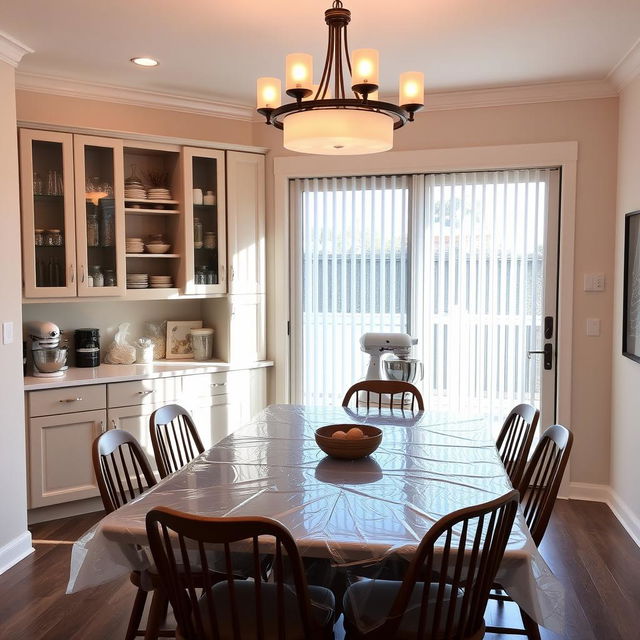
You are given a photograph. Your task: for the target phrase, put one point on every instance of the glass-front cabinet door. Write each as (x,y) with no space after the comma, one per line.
(206,234)
(48,219)
(99,183)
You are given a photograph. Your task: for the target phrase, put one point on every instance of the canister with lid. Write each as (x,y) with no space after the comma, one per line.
(87,343)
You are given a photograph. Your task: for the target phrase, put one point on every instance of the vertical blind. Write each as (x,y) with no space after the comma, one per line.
(479,256)
(354,275)
(457,260)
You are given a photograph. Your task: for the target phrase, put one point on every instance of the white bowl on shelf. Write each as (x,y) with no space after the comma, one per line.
(158,248)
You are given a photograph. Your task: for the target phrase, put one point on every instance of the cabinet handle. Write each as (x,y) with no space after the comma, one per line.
(222,273)
(218,384)
(72,273)
(145,393)
(232,273)
(81,273)
(70,400)
(113,424)
(102,429)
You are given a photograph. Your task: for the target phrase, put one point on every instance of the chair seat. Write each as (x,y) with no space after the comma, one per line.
(322,611)
(367,603)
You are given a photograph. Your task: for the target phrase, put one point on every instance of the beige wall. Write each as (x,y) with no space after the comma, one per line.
(93,114)
(625,416)
(593,124)
(14,537)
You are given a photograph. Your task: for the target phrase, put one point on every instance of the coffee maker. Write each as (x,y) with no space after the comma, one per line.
(48,350)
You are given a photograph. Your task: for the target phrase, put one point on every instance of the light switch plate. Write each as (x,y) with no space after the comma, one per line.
(593,327)
(7,332)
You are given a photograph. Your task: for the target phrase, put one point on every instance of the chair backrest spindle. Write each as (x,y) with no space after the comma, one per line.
(121,467)
(174,438)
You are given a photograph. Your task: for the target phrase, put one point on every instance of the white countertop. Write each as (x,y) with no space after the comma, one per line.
(75,376)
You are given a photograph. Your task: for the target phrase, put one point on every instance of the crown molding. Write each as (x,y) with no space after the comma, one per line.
(522,94)
(437,101)
(12,50)
(627,68)
(137,97)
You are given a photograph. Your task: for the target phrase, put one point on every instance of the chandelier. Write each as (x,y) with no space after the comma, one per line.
(322,123)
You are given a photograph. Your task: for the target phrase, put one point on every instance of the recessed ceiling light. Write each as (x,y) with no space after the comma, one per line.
(145,62)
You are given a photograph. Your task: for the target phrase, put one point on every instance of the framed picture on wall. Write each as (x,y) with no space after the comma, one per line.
(631,296)
(179,345)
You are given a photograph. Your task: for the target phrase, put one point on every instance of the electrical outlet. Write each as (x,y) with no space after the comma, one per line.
(594,282)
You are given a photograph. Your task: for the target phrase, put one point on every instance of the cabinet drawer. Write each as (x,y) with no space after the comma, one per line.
(156,391)
(67,400)
(204,385)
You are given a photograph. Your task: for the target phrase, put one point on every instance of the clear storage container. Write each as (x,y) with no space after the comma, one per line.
(202,342)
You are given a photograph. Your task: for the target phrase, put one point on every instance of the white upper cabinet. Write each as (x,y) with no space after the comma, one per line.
(48,215)
(246,222)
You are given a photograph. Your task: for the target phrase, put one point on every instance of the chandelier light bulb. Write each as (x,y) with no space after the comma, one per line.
(365,67)
(299,71)
(268,93)
(412,88)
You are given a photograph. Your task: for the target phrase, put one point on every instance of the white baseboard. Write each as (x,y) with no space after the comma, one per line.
(14,551)
(604,493)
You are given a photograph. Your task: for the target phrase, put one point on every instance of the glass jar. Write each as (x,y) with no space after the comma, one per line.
(109,278)
(210,241)
(38,184)
(53,238)
(93,233)
(96,274)
(107,222)
(39,237)
(200,277)
(202,343)
(197,233)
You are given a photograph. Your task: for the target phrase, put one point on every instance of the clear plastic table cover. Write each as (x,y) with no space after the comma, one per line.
(348,518)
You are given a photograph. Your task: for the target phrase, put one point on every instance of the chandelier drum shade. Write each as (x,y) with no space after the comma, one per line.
(324,118)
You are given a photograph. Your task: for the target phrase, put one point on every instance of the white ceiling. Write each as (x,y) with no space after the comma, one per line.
(216,50)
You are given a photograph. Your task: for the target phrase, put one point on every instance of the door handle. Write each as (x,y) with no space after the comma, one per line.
(547,352)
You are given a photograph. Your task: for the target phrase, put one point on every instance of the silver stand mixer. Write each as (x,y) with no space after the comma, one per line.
(48,351)
(389,358)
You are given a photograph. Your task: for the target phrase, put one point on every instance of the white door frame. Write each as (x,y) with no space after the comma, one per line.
(521,156)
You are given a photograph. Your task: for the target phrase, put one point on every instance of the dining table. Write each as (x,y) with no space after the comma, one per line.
(353,515)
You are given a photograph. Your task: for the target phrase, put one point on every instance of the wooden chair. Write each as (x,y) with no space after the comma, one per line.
(445,590)
(174,438)
(123,473)
(538,492)
(515,438)
(227,607)
(387,387)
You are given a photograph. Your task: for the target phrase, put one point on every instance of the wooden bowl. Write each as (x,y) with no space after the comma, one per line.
(348,449)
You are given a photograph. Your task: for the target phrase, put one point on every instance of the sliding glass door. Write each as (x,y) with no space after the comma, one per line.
(465,262)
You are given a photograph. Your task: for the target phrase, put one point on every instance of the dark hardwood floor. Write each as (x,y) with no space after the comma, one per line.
(585,546)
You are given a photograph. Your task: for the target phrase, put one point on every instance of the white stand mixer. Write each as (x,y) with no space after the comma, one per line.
(399,366)
(49,353)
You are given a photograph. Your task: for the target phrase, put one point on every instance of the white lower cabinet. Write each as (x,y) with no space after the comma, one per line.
(60,459)
(60,465)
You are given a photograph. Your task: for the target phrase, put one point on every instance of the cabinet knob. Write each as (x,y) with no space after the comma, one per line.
(70,400)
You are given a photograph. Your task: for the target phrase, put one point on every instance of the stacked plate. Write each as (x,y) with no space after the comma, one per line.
(158,193)
(137,280)
(161,282)
(135,245)
(135,193)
